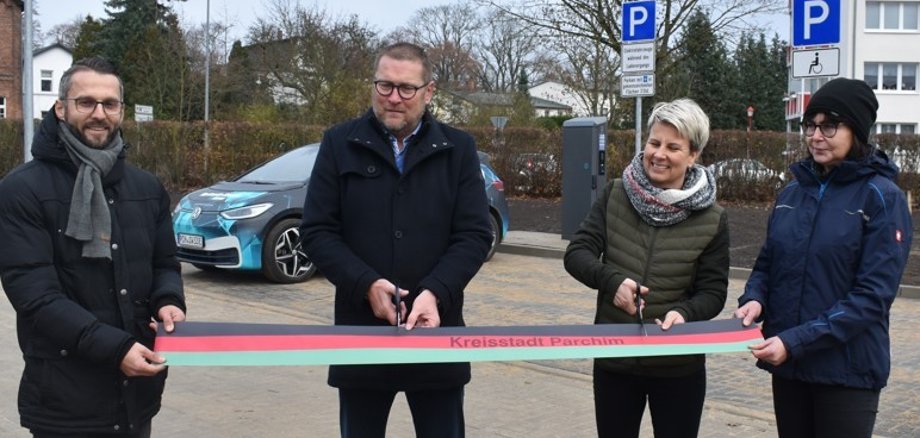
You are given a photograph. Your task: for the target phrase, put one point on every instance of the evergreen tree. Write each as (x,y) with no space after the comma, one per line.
(702,71)
(143,38)
(88,39)
(763,80)
(522,112)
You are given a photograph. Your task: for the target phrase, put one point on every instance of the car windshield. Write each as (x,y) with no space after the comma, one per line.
(294,166)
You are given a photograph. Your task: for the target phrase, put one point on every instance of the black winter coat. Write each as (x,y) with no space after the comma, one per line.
(77,317)
(425,229)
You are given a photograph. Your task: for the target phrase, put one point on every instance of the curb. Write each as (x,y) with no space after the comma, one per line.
(904,291)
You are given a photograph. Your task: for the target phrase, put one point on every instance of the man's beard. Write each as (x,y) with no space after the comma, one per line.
(79,134)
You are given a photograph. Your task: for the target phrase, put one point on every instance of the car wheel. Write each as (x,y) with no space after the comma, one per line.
(283,260)
(496,236)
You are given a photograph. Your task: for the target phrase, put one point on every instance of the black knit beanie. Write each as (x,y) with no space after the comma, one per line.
(849,100)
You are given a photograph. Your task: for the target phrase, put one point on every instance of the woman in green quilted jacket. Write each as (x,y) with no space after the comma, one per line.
(655,247)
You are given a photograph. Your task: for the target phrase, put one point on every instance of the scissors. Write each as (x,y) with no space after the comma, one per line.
(398,314)
(639,308)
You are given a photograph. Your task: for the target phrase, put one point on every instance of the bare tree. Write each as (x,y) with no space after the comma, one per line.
(64,33)
(599,20)
(588,68)
(313,61)
(506,49)
(448,33)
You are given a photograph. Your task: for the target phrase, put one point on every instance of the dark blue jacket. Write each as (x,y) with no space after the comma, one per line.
(77,317)
(425,229)
(829,270)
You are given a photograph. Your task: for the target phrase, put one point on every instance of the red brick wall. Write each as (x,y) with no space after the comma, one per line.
(11,57)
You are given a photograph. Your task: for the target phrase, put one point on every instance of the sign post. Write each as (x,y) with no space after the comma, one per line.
(637,56)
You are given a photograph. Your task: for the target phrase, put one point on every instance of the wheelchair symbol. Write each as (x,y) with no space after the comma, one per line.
(815,67)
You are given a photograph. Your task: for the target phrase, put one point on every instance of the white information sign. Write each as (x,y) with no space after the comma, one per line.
(143,113)
(638,57)
(814,63)
(637,85)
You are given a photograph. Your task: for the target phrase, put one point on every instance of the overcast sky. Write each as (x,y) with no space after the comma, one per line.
(383,15)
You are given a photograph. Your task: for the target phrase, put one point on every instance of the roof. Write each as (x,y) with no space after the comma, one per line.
(506,99)
(53,46)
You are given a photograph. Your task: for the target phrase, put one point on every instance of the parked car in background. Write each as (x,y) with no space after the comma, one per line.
(746,170)
(251,223)
(498,207)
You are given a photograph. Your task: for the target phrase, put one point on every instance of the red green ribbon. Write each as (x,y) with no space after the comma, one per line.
(241,344)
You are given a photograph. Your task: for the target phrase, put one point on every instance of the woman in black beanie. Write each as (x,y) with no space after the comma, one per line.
(837,243)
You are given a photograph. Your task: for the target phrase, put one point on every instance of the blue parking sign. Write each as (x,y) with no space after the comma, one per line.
(638,21)
(815,22)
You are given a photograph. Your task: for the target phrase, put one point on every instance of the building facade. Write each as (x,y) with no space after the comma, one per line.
(48,64)
(880,44)
(11,59)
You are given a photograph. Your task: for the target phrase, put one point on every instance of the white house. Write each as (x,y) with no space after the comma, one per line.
(876,40)
(48,65)
(557,92)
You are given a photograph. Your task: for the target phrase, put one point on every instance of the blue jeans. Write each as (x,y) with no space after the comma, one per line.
(812,410)
(435,414)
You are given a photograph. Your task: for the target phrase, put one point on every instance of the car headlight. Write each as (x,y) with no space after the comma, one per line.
(247,212)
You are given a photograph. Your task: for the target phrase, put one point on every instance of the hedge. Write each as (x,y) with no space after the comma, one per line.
(176,152)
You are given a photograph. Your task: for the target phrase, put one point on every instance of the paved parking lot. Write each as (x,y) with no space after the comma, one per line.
(508,399)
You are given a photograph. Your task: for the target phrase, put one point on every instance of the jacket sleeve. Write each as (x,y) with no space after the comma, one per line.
(755,289)
(31,283)
(584,255)
(470,234)
(710,284)
(321,229)
(167,276)
(886,239)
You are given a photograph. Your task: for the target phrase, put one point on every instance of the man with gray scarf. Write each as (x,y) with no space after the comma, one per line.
(89,266)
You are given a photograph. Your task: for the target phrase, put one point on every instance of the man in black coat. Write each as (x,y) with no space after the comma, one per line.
(89,266)
(397,205)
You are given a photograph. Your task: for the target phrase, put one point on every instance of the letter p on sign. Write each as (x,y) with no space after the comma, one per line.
(638,21)
(815,22)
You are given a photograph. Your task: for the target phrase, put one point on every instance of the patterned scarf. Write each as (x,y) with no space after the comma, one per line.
(663,207)
(89,220)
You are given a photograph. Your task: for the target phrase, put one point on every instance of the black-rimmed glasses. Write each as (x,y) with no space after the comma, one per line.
(87,105)
(828,129)
(406,91)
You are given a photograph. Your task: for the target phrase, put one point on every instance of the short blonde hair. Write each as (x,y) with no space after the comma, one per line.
(685,116)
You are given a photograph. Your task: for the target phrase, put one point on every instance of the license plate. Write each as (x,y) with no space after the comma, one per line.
(191,241)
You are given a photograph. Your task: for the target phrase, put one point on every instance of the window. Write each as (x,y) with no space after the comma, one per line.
(894,128)
(46,80)
(892,15)
(890,76)
(2,107)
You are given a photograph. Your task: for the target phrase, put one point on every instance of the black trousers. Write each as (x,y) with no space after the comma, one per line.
(676,404)
(812,410)
(435,414)
(140,432)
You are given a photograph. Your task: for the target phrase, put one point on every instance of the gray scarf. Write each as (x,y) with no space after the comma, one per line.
(663,207)
(89,220)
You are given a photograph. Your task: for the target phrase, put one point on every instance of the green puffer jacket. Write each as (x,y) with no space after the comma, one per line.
(685,266)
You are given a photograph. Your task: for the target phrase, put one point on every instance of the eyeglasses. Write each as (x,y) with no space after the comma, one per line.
(406,91)
(828,129)
(87,105)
